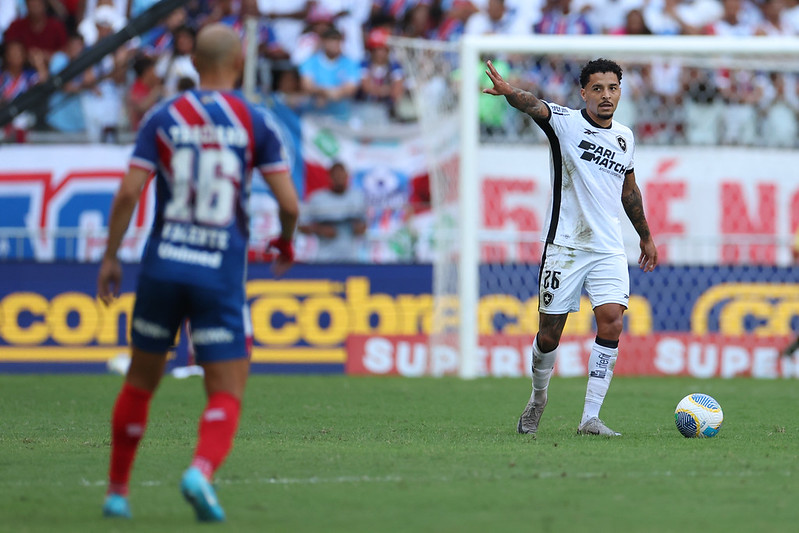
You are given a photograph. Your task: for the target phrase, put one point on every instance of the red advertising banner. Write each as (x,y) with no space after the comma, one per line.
(667,354)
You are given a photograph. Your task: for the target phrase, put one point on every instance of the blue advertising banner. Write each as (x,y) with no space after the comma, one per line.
(50,319)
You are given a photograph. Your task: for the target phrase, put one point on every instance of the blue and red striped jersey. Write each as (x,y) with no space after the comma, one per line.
(202,146)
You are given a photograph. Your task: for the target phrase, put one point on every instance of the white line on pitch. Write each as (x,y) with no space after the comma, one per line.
(444,479)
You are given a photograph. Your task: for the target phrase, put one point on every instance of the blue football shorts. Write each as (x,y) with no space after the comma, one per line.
(221,328)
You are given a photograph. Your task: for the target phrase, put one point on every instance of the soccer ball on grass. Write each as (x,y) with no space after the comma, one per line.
(698,415)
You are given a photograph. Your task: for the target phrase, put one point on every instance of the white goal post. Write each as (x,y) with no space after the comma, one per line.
(465,255)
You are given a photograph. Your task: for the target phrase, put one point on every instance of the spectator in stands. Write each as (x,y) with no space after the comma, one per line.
(634,24)
(288,91)
(16,77)
(496,19)
(68,11)
(558,19)
(288,21)
(453,24)
(310,40)
(681,17)
(197,12)
(526,12)
(331,78)
(779,108)
(337,217)
(159,40)
(742,91)
(703,106)
(222,11)
(38,30)
(734,21)
(120,7)
(774,21)
(177,63)
(382,81)
(9,12)
(267,47)
(350,17)
(665,86)
(103,106)
(791,15)
(418,21)
(607,16)
(236,17)
(105,17)
(65,111)
(145,91)
(394,10)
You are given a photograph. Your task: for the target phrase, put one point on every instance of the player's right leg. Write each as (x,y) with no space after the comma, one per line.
(128,421)
(559,284)
(545,343)
(156,316)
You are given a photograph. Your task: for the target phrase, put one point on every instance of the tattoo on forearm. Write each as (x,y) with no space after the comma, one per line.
(527,103)
(634,207)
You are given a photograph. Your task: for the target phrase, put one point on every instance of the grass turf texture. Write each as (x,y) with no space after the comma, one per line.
(383,454)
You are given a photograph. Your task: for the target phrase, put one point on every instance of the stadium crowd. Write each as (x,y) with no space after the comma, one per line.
(331,57)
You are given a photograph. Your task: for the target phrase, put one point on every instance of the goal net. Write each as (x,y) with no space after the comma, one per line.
(715,121)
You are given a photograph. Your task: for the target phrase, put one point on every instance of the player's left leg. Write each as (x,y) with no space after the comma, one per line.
(608,288)
(224,383)
(156,317)
(601,363)
(128,421)
(788,351)
(221,335)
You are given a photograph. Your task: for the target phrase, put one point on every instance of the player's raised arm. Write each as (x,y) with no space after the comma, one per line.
(634,207)
(521,100)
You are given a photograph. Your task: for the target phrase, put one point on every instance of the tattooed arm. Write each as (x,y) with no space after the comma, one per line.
(634,207)
(522,100)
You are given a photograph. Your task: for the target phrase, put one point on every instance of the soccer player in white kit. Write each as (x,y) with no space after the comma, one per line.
(592,181)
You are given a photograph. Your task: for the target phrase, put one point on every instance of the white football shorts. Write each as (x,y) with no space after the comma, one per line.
(565,271)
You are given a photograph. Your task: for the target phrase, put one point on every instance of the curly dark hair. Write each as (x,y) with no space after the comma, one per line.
(599,65)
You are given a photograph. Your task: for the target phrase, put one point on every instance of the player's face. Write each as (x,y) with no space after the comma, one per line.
(601,94)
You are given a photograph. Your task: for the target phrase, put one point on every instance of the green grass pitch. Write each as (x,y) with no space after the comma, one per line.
(390,454)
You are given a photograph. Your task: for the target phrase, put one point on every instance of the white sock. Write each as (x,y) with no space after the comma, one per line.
(543,363)
(600,372)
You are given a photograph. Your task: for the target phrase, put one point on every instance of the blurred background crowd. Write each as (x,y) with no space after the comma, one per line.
(331,57)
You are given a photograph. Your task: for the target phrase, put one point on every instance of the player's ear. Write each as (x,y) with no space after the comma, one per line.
(238,62)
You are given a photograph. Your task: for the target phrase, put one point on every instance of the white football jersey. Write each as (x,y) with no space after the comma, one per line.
(587,170)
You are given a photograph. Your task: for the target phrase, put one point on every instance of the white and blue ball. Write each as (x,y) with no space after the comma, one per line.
(698,415)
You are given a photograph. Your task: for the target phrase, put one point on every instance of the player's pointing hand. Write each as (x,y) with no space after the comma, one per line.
(501,87)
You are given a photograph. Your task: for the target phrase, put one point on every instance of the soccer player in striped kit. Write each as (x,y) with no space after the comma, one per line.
(593,180)
(202,147)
